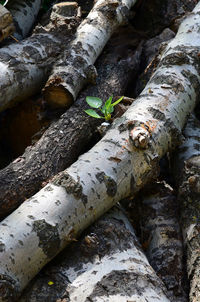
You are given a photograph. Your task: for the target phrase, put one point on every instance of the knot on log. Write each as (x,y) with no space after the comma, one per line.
(140,137)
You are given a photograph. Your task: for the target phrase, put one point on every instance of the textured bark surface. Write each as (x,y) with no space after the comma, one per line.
(74,67)
(65,139)
(161,236)
(25,66)
(187,171)
(24,13)
(122,162)
(6,23)
(107,264)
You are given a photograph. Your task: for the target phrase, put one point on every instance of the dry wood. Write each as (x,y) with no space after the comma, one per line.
(74,67)
(24,13)
(187,171)
(161,236)
(65,139)
(118,165)
(25,66)
(6,23)
(107,264)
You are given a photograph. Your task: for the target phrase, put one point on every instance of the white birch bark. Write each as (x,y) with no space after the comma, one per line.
(187,168)
(107,264)
(122,162)
(24,67)
(75,67)
(24,13)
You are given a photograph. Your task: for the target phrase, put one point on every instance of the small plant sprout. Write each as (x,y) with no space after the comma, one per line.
(107,109)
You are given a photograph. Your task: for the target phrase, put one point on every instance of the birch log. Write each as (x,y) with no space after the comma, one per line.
(6,23)
(66,138)
(75,66)
(122,162)
(106,265)
(161,235)
(24,13)
(187,168)
(25,66)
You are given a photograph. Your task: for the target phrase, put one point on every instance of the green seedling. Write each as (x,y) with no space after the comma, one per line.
(107,109)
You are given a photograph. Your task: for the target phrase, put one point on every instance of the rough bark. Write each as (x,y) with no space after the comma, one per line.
(122,162)
(161,236)
(25,66)
(24,13)
(187,170)
(107,264)
(66,138)
(75,66)
(6,23)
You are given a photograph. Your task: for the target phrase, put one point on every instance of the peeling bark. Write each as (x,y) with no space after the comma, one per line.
(110,171)
(107,264)
(75,66)
(187,170)
(24,13)
(161,237)
(6,23)
(25,66)
(66,138)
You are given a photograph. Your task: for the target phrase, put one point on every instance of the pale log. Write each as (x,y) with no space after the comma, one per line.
(106,265)
(24,14)
(25,66)
(74,67)
(66,138)
(122,162)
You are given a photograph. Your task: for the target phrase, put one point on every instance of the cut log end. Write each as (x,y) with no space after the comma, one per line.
(58,97)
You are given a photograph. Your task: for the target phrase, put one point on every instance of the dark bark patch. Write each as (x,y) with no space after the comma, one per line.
(110,184)
(116,283)
(2,247)
(178,58)
(9,290)
(70,185)
(49,240)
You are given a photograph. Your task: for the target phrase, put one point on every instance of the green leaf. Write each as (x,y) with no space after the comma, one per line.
(108,102)
(117,102)
(93,101)
(93,113)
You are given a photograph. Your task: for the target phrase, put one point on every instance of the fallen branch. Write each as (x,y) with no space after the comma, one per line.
(24,14)
(161,236)
(75,67)
(122,162)
(186,166)
(72,132)
(107,264)
(24,67)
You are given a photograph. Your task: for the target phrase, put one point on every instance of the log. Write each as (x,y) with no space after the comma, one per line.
(6,23)
(186,167)
(25,66)
(75,68)
(66,138)
(122,162)
(161,236)
(24,14)
(107,264)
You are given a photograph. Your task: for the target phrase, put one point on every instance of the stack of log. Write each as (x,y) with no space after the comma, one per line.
(60,191)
